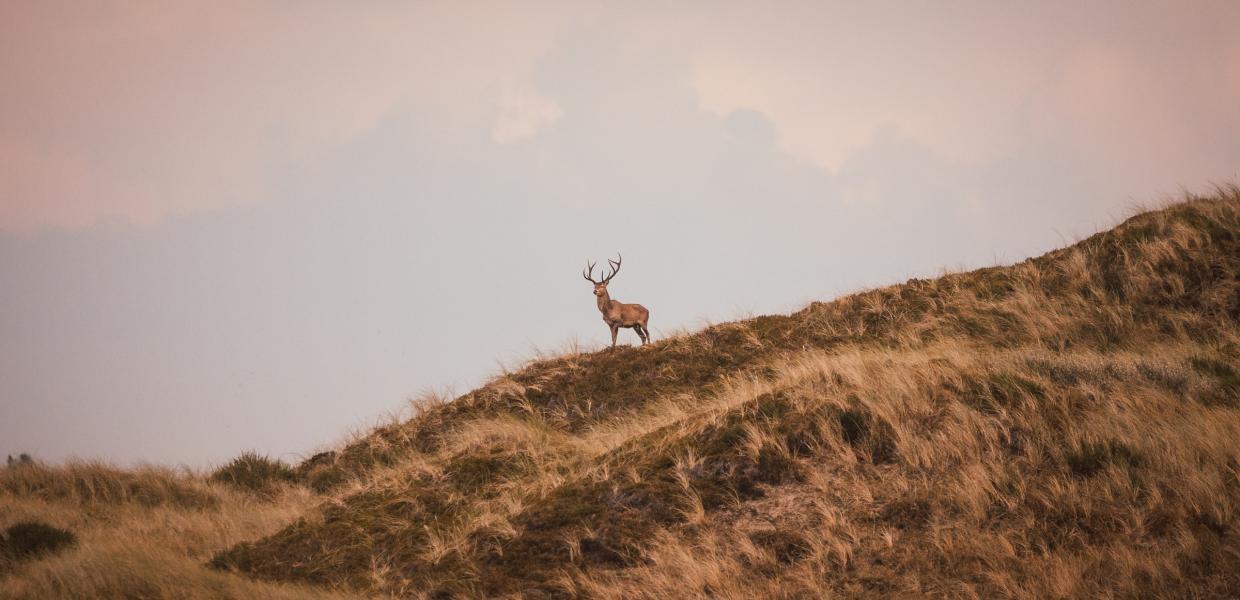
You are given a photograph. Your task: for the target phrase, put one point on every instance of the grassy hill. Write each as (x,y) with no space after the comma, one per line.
(1063,427)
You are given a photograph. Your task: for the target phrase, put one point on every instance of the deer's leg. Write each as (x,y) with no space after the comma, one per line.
(642,333)
(614,330)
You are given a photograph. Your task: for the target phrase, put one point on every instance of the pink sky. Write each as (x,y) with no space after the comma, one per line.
(244,225)
(140,112)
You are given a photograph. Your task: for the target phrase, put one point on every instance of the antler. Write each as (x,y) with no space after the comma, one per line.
(588,273)
(615,267)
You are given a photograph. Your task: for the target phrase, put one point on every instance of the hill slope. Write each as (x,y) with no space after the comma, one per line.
(1066,426)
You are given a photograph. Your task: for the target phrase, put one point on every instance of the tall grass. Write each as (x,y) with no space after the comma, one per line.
(142,533)
(1064,427)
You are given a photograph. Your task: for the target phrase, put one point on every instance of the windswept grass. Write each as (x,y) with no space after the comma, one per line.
(142,533)
(254,472)
(1064,427)
(95,484)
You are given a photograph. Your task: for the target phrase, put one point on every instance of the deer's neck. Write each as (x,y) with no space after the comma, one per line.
(604,303)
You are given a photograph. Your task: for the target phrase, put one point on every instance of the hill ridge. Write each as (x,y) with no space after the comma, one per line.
(1063,426)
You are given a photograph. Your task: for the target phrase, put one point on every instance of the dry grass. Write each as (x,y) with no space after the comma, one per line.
(1121,482)
(1064,427)
(143,533)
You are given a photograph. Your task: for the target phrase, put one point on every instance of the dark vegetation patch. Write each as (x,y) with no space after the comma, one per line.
(29,540)
(729,467)
(1169,378)
(610,525)
(1219,233)
(868,434)
(1226,388)
(604,384)
(1092,457)
(994,393)
(1065,373)
(908,512)
(786,546)
(391,523)
(620,515)
(327,479)
(254,472)
(321,472)
(480,472)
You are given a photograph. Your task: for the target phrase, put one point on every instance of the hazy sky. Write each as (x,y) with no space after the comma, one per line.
(260,226)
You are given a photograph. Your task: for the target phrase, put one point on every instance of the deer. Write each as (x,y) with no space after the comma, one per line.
(617,314)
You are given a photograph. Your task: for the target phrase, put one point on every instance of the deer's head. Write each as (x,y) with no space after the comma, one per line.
(600,287)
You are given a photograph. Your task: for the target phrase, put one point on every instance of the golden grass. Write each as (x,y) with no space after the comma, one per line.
(964,509)
(1060,428)
(143,533)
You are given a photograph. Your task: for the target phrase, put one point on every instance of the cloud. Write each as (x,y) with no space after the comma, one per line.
(522,112)
(114,112)
(1148,99)
(136,115)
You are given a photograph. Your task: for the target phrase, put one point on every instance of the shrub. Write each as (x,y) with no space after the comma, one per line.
(28,540)
(21,460)
(254,472)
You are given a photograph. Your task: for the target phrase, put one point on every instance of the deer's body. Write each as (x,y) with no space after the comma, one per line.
(618,314)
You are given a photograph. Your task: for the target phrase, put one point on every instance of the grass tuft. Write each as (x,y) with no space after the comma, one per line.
(254,472)
(28,540)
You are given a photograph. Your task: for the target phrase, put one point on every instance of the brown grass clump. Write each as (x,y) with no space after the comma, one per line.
(1060,428)
(254,472)
(28,540)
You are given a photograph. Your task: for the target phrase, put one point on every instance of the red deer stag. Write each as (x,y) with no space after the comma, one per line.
(617,314)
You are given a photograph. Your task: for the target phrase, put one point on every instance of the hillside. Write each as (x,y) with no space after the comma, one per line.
(1062,427)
